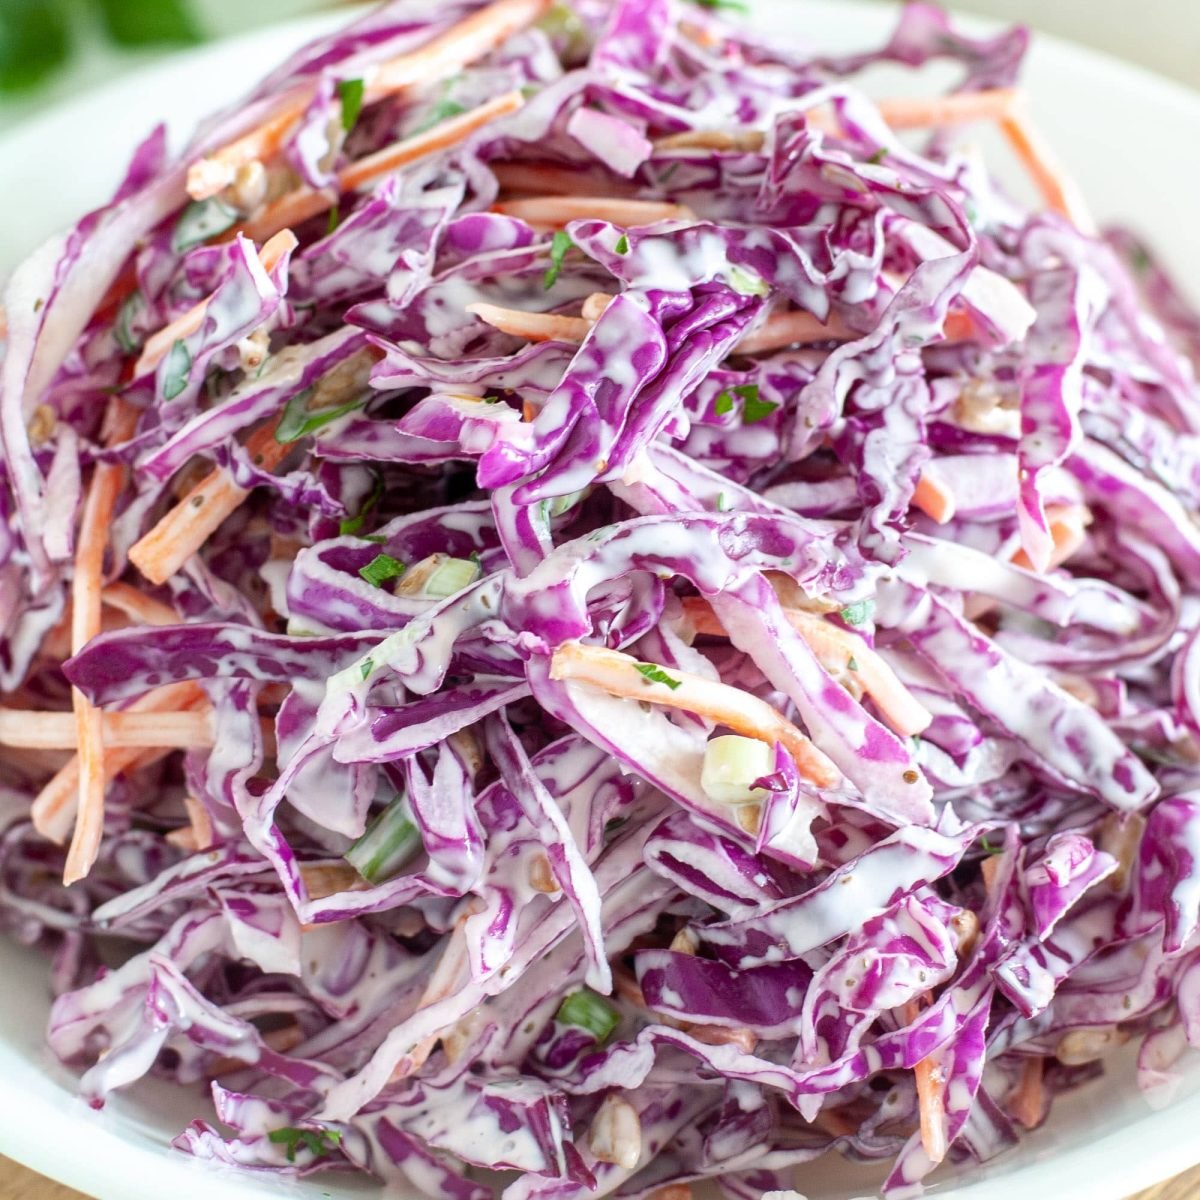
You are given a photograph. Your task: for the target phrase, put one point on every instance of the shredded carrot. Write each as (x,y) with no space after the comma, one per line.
(158,344)
(717,1035)
(553,212)
(791,328)
(55,806)
(931,1097)
(58,730)
(594,306)
(1028,1099)
(108,481)
(1068,531)
(440,137)
(215,172)
(137,606)
(618,674)
(439,58)
(162,551)
(835,648)
(933,498)
(300,205)
(1057,188)
(534,327)
(900,112)
(536,179)
(197,834)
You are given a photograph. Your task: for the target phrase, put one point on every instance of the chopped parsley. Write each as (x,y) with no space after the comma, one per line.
(381,569)
(318,1141)
(200,221)
(655,674)
(852,663)
(622,246)
(734,5)
(558,251)
(858,613)
(986,846)
(350,93)
(723,403)
(335,219)
(878,156)
(368,665)
(176,369)
(298,420)
(753,408)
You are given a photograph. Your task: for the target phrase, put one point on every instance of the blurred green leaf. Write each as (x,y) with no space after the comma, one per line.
(34,39)
(147,22)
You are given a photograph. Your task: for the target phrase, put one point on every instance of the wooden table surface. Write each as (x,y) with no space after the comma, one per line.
(16,1183)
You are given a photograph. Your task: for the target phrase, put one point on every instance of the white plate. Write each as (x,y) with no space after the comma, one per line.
(1128,136)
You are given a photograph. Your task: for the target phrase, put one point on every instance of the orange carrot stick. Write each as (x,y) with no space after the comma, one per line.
(108,480)
(618,674)
(553,212)
(1028,1099)
(439,58)
(158,344)
(197,834)
(1057,188)
(138,607)
(534,327)
(40,730)
(1068,531)
(933,498)
(835,648)
(931,1097)
(300,205)
(55,806)
(162,551)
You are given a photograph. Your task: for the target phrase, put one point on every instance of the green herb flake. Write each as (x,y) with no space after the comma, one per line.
(653,674)
(335,219)
(131,308)
(622,246)
(365,670)
(852,663)
(878,156)
(558,251)
(723,403)
(722,502)
(754,409)
(747,283)
(298,420)
(381,569)
(986,846)
(732,5)
(444,110)
(318,1142)
(200,221)
(177,366)
(350,93)
(858,613)
(1141,260)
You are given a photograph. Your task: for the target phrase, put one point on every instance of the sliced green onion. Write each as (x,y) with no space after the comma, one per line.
(858,613)
(298,420)
(390,843)
(747,283)
(585,1010)
(176,369)
(201,220)
(450,577)
(654,674)
(381,569)
(318,1141)
(559,246)
(731,765)
(350,93)
(131,308)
